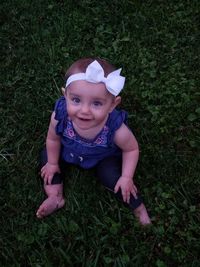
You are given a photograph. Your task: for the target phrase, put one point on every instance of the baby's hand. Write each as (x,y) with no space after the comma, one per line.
(127,188)
(48,171)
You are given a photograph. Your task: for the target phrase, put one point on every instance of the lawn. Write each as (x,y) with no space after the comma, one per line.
(157,45)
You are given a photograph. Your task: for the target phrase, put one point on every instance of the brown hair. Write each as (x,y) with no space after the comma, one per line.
(81,65)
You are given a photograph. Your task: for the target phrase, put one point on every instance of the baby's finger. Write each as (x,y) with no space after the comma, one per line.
(124,195)
(135,188)
(43,171)
(134,193)
(128,197)
(116,188)
(49,179)
(45,179)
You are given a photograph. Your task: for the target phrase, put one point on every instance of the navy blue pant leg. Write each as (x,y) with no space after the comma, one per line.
(58,177)
(109,172)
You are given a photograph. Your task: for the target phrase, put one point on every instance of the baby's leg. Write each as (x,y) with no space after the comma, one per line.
(54,192)
(109,171)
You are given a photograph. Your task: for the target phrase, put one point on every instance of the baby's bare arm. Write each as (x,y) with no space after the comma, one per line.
(125,139)
(53,144)
(130,154)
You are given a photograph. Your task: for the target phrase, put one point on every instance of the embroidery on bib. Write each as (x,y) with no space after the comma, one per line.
(101,139)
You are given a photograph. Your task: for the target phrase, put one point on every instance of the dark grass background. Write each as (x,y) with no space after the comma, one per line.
(157,45)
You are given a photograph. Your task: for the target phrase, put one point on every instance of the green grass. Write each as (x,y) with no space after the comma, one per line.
(157,45)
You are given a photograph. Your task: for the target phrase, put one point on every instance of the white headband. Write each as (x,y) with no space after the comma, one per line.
(114,82)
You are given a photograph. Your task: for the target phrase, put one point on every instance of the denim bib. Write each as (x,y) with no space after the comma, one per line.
(83,152)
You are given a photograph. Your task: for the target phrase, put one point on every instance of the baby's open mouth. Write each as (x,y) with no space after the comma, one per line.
(83,119)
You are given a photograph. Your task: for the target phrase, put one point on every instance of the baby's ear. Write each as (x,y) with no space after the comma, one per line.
(116,102)
(63,90)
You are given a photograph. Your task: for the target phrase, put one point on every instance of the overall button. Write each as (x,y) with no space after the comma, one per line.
(81,158)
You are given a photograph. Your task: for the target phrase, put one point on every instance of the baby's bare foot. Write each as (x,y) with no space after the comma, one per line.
(142,215)
(50,205)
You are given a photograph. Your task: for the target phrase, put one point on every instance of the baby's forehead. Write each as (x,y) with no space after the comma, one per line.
(79,85)
(92,89)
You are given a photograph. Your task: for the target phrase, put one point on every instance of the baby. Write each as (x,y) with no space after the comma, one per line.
(86,130)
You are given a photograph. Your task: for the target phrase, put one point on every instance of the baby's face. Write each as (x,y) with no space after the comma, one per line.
(88,104)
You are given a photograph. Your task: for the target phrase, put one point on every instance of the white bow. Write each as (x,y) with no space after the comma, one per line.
(114,82)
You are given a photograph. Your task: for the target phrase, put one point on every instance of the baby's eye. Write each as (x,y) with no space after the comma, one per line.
(76,100)
(97,103)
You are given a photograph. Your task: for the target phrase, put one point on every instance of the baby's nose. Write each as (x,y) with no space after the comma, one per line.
(85,108)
